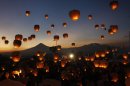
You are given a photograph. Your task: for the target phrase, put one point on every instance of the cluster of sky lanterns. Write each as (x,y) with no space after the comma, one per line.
(5,40)
(74,16)
(19,38)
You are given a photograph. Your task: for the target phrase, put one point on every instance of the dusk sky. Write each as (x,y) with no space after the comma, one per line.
(13,21)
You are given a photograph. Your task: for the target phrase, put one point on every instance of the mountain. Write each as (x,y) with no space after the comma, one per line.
(87,49)
(33,50)
(90,48)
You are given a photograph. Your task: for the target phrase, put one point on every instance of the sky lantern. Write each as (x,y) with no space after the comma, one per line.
(63,63)
(25,39)
(102,37)
(96,26)
(115,77)
(56,38)
(6,42)
(46,16)
(65,35)
(33,36)
(3,38)
(52,25)
(73,44)
(110,31)
(18,37)
(125,62)
(27,13)
(36,28)
(39,65)
(17,43)
(74,15)
(48,32)
(114,28)
(38,53)
(47,69)
(103,26)
(29,38)
(96,63)
(16,56)
(64,24)
(114,5)
(58,47)
(56,57)
(125,56)
(90,17)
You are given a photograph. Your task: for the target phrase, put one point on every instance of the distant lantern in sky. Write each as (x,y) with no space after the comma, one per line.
(65,35)
(6,42)
(110,31)
(114,4)
(103,26)
(52,25)
(48,32)
(46,16)
(64,24)
(74,15)
(96,26)
(29,38)
(114,28)
(17,43)
(73,44)
(102,37)
(90,17)
(25,39)
(27,13)
(3,38)
(36,28)
(33,36)
(56,37)
(18,37)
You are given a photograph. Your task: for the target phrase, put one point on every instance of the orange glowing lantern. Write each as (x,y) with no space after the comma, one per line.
(46,16)
(103,54)
(39,65)
(47,69)
(64,24)
(74,15)
(24,39)
(114,5)
(27,13)
(17,43)
(110,31)
(96,63)
(102,26)
(115,77)
(102,37)
(56,37)
(96,26)
(97,55)
(63,63)
(30,38)
(16,56)
(125,56)
(18,37)
(48,32)
(65,35)
(90,17)
(114,28)
(33,36)
(36,28)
